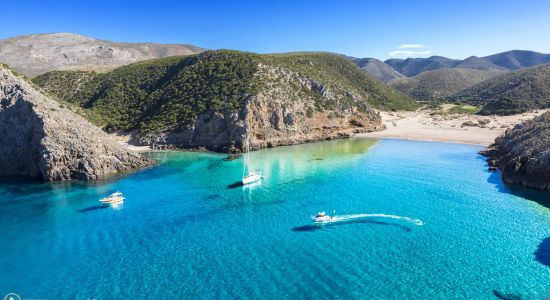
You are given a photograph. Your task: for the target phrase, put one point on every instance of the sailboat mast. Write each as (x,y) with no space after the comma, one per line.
(246,167)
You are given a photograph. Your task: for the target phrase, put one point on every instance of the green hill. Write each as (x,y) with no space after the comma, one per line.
(442,83)
(169,94)
(510,93)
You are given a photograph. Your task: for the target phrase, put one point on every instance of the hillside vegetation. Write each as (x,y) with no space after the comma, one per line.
(510,93)
(169,93)
(439,84)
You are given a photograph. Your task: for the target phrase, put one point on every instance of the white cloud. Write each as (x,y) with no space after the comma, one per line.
(411,50)
(409,53)
(409,46)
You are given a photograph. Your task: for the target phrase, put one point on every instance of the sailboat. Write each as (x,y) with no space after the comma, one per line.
(249,176)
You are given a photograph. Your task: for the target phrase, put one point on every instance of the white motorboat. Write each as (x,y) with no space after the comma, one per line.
(321,217)
(113,199)
(249,176)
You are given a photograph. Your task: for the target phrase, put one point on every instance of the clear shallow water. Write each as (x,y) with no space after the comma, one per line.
(188,230)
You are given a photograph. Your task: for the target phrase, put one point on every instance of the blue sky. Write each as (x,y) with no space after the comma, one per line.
(381,29)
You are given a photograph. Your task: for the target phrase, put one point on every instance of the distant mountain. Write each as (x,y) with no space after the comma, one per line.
(517,59)
(510,93)
(474,62)
(510,60)
(413,66)
(438,84)
(39,53)
(376,68)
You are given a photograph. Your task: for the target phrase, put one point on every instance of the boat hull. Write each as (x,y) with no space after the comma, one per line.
(251,178)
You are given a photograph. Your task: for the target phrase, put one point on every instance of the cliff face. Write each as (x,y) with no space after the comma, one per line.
(40,139)
(273,117)
(523,153)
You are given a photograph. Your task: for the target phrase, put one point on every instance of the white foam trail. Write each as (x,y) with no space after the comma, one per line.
(344,218)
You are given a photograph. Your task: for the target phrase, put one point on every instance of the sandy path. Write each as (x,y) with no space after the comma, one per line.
(421,125)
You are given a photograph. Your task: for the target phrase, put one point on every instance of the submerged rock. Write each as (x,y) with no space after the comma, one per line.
(39,138)
(523,153)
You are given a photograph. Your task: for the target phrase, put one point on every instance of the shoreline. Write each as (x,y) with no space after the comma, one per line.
(422,125)
(425,125)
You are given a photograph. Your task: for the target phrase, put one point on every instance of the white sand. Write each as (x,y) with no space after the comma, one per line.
(124,139)
(420,125)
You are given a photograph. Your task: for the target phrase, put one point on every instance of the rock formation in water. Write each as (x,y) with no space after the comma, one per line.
(523,153)
(39,138)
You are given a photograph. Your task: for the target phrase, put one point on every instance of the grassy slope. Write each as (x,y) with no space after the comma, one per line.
(439,84)
(510,93)
(162,94)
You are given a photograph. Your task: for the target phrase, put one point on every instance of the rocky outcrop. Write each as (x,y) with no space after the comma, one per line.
(41,139)
(283,113)
(35,54)
(273,117)
(523,153)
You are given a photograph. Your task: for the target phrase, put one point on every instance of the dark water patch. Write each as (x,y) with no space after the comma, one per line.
(316,159)
(92,208)
(213,164)
(314,227)
(232,157)
(542,198)
(213,197)
(542,254)
(503,296)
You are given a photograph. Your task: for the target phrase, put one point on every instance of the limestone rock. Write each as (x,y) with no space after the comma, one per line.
(40,139)
(523,153)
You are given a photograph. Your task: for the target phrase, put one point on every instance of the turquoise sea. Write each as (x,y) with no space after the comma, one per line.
(189,230)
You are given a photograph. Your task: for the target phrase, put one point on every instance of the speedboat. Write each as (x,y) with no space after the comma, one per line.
(253,176)
(321,217)
(113,199)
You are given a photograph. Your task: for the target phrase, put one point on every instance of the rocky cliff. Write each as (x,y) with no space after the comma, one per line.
(39,53)
(41,139)
(523,153)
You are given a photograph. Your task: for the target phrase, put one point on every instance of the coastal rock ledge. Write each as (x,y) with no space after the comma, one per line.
(41,139)
(523,153)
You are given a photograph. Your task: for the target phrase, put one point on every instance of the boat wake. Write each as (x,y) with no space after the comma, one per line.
(345,218)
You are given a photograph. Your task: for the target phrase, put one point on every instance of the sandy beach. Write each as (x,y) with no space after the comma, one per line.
(456,128)
(424,125)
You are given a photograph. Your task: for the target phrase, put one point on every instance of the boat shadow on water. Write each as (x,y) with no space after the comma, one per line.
(503,296)
(234,185)
(92,208)
(314,227)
